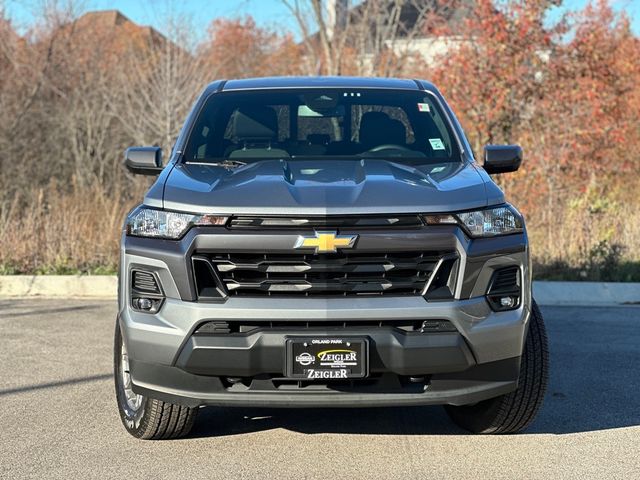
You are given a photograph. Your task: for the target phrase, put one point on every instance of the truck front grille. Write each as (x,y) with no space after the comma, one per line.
(339,274)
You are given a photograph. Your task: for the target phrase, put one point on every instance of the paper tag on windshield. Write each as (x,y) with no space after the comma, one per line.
(437,169)
(436,144)
(423,107)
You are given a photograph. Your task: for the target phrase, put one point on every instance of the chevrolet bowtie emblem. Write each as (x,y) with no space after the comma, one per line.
(326,242)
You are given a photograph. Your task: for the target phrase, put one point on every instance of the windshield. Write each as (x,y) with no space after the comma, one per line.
(247,126)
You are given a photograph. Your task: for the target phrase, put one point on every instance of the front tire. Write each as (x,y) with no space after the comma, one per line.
(514,411)
(144,417)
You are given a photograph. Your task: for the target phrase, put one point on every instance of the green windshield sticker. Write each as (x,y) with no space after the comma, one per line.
(436,144)
(437,169)
(423,107)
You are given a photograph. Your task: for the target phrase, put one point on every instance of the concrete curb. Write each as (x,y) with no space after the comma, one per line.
(68,286)
(105,286)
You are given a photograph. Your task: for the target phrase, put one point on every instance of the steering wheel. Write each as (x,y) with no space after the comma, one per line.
(389,146)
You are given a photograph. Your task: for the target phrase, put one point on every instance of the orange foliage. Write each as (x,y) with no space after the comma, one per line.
(569,93)
(238,48)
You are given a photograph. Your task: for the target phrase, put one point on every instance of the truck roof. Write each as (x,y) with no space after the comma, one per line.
(321,82)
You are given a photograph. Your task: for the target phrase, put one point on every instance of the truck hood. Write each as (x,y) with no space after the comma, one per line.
(325,187)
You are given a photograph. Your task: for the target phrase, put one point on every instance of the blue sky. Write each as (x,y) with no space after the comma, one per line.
(150,12)
(269,13)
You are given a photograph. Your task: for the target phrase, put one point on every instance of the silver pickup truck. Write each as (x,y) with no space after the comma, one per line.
(326,242)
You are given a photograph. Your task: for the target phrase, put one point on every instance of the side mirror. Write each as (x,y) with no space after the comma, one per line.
(143,160)
(502,158)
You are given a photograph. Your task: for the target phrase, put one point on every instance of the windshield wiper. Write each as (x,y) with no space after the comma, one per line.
(224,163)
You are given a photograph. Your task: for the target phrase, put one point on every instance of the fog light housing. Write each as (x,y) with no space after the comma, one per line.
(146,305)
(505,287)
(145,292)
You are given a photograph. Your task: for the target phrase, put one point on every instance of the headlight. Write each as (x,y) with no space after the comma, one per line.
(150,222)
(483,223)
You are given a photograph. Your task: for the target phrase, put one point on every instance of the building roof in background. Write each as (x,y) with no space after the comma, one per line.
(105,20)
(451,14)
(104,17)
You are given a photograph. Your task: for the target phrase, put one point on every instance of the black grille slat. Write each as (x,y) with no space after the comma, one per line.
(381,266)
(337,286)
(219,327)
(506,280)
(298,223)
(144,282)
(396,273)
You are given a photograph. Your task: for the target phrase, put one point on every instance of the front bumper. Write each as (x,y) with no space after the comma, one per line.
(174,385)
(263,352)
(477,361)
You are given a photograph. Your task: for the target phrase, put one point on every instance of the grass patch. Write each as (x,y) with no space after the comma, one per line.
(562,271)
(59,269)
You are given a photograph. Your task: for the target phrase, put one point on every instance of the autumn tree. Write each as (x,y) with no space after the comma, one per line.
(158,81)
(30,63)
(9,43)
(567,91)
(238,48)
(597,94)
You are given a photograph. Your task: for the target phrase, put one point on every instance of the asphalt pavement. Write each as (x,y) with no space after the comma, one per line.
(58,417)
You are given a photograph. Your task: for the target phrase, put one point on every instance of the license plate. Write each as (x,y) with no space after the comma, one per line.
(327,358)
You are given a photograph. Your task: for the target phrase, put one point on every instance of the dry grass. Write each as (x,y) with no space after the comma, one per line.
(591,237)
(78,231)
(50,231)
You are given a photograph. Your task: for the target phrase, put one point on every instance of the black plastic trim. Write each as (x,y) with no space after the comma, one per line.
(156,297)
(174,385)
(215,293)
(494,293)
(263,351)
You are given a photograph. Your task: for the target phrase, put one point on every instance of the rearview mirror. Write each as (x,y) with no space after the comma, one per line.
(502,158)
(143,160)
